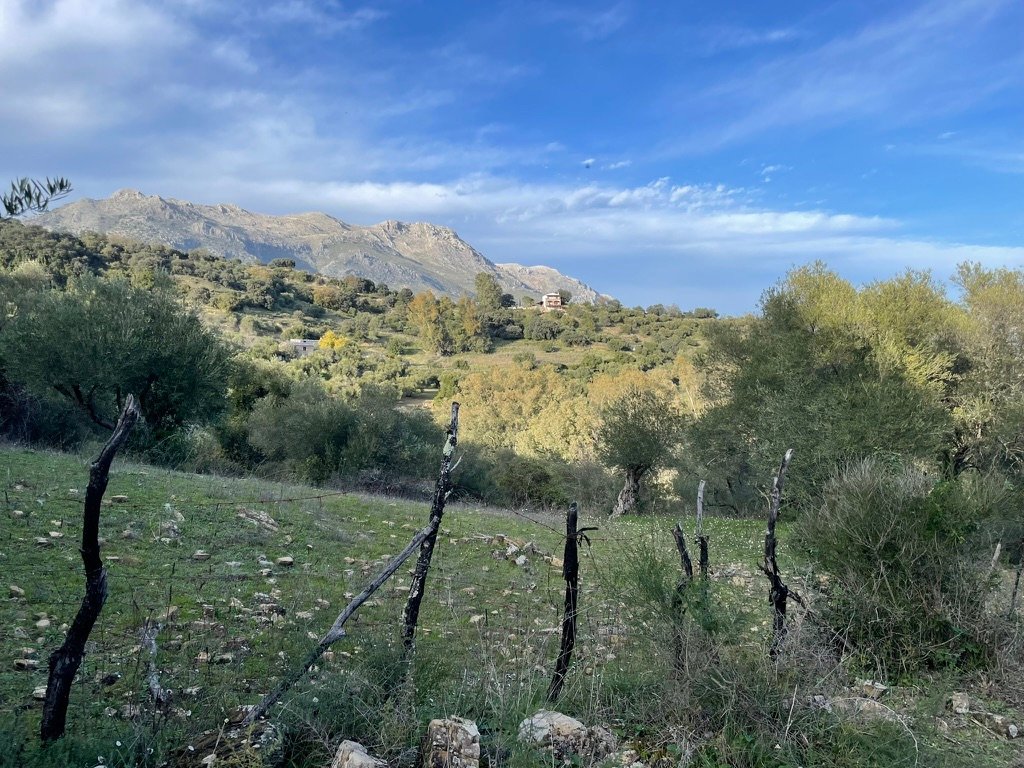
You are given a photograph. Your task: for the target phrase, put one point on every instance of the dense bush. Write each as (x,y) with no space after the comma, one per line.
(908,560)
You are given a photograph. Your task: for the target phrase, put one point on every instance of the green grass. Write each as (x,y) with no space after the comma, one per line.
(487,638)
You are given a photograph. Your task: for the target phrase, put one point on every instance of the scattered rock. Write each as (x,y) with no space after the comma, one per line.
(200,555)
(223,658)
(870,689)
(259,518)
(627,758)
(44,542)
(352,754)
(17,513)
(521,561)
(1001,725)
(452,743)
(26,665)
(859,707)
(42,624)
(119,498)
(39,694)
(56,535)
(130,535)
(258,746)
(16,591)
(960,703)
(167,615)
(285,562)
(565,736)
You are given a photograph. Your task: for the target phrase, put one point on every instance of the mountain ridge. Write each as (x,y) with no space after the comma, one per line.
(418,255)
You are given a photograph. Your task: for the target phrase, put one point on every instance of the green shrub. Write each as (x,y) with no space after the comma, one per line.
(908,561)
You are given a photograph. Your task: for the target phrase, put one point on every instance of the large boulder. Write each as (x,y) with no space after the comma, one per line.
(452,743)
(566,736)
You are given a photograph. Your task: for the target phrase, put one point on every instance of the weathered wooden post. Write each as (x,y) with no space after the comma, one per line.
(702,540)
(778,593)
(411,613)
(571,574)
(65,661)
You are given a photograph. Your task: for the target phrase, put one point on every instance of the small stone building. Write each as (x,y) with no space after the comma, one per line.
(303,347)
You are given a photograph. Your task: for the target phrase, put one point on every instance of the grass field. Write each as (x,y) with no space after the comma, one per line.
(200,556)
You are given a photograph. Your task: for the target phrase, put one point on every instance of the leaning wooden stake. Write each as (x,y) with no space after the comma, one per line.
(65,661)
(411,613)
(571,574)
(702,540)
(778,593)
(337,630)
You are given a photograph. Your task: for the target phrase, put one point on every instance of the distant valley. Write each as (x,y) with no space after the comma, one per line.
(419,255)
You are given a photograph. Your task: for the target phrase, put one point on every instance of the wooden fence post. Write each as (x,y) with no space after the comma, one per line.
(571,574)
(65,661)
(411,612)
(778,593)
(702,540)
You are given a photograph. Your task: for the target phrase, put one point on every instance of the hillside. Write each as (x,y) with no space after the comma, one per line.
(419,256)
(240,576)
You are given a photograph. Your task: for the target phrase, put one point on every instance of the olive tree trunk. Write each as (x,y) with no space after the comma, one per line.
(629,496)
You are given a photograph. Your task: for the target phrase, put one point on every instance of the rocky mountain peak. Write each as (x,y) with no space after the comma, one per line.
(417,255)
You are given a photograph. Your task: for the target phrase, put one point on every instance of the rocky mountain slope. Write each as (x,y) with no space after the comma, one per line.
(417,255)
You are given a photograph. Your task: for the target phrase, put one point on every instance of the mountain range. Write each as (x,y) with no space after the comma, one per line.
(419,255)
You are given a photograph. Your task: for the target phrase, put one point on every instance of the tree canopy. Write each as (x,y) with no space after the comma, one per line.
(101,340)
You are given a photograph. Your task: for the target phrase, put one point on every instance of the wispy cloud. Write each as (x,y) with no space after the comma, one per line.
(586,22)
(768,171)
(722,39)
(933,59)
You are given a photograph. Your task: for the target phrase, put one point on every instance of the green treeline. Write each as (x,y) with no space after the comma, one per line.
(897,370)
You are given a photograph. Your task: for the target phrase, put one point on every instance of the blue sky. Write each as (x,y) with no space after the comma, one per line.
(664,152)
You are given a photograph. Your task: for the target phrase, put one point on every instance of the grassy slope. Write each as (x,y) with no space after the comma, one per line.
(488,631)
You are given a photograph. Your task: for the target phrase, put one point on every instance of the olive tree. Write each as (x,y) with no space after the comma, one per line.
(637,433)
(100,340)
